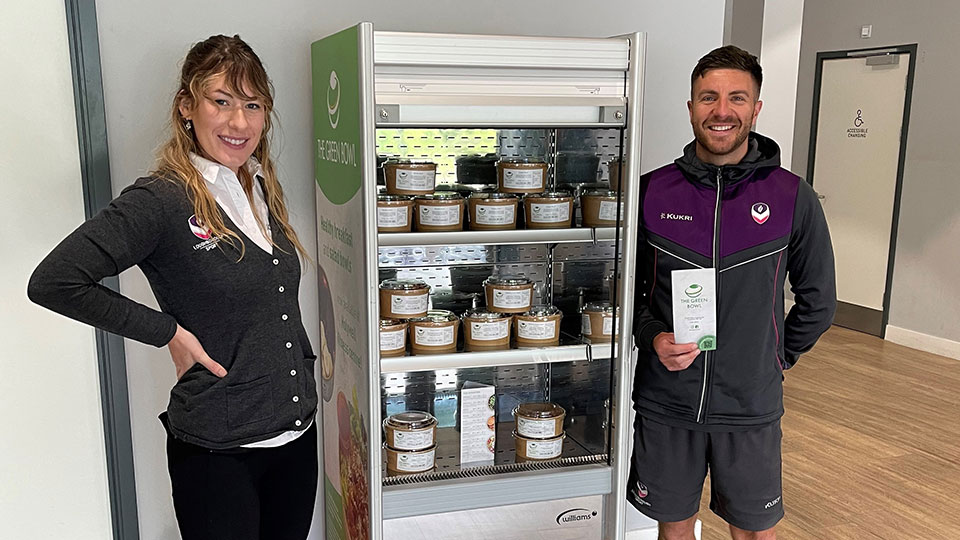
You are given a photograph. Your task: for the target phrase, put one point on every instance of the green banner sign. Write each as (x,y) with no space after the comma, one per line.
(336,115)
(342,257)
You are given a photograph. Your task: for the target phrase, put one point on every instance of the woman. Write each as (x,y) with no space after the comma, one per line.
(210,230)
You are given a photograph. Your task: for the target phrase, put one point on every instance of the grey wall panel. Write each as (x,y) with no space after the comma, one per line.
(926,255)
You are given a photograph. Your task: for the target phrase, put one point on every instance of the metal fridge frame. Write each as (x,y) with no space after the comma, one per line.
(449,80)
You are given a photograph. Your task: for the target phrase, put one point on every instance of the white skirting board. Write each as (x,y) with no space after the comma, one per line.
(923,342)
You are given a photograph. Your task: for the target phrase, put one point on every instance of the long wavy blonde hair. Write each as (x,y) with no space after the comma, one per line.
(233,58)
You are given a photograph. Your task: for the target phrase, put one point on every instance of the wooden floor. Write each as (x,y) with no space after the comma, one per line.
(871,444)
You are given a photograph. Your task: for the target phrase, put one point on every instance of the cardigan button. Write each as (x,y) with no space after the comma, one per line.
(293,373)
(281,288)
(289,344)
(276,262)
(284,316)
(296,399)
(297,423)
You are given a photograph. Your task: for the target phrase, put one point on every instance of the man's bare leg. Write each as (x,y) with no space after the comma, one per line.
(678,530)
(740,534)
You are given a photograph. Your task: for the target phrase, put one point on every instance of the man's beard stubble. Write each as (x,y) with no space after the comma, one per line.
(703,139)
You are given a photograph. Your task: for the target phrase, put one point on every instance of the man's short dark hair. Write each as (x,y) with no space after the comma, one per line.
(729,57)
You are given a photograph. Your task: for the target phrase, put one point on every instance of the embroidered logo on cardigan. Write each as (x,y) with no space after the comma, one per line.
(197,229)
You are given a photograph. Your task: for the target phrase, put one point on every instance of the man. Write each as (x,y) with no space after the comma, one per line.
(728,207)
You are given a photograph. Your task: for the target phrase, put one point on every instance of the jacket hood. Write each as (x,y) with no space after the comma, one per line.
(762,152)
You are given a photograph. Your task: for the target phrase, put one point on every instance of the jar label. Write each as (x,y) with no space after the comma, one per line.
(523,179)
(416,462)
(496,214)
(511,299)
(537,329)
(608,210)
(585,325)
(425,335)
(489,331)
(412,440)
(392,216)
(549,212)
(440,215)
(408,305)
(391,340)
(608,325)
(544,449)
(415,180)
(537,429)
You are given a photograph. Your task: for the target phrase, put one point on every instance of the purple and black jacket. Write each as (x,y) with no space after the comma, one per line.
(756,224)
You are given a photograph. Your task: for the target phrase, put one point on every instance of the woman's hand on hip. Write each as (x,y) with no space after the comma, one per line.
(185,349)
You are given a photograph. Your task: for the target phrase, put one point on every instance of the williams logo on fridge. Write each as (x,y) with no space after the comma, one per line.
(760,212)
(576,515)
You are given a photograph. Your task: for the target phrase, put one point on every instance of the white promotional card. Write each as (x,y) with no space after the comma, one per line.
(695,307)
(478,426)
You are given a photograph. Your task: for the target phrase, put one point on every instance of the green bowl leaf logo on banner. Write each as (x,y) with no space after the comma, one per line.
(334,110)
(336,116)
(694,290)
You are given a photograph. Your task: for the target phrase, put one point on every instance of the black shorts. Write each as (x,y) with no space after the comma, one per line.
(669,465)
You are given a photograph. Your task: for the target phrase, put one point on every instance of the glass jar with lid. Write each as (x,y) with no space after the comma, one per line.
(492,211)
(434,333)
(486,330)
(394,213)
(521,175)
(439,212)
(393,337)
(538,327)
(539,420)
(597,321)
(599,207)
(409,177)
(548,210)
(403,298)
(410,430)
(508,293)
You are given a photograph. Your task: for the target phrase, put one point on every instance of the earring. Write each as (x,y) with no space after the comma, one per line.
(188,125)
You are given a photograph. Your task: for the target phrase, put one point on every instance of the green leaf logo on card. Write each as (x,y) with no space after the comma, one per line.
(694,290)
(336,115)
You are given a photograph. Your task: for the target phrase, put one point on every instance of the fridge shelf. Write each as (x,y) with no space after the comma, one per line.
(522,236)
(509,357)
(448,464)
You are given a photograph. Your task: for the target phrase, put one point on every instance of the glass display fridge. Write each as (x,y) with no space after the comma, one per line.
(477,209)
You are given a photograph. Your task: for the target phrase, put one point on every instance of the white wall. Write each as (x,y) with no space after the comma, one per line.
(53,480)
(782,21)
(142,42)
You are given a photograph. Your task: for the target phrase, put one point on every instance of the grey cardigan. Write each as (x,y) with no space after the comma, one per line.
(245,312)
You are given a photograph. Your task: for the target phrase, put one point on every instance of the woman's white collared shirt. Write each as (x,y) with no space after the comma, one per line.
(225,187)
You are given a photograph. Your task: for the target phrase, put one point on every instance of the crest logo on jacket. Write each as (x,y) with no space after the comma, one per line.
(760,212)
(198,230)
